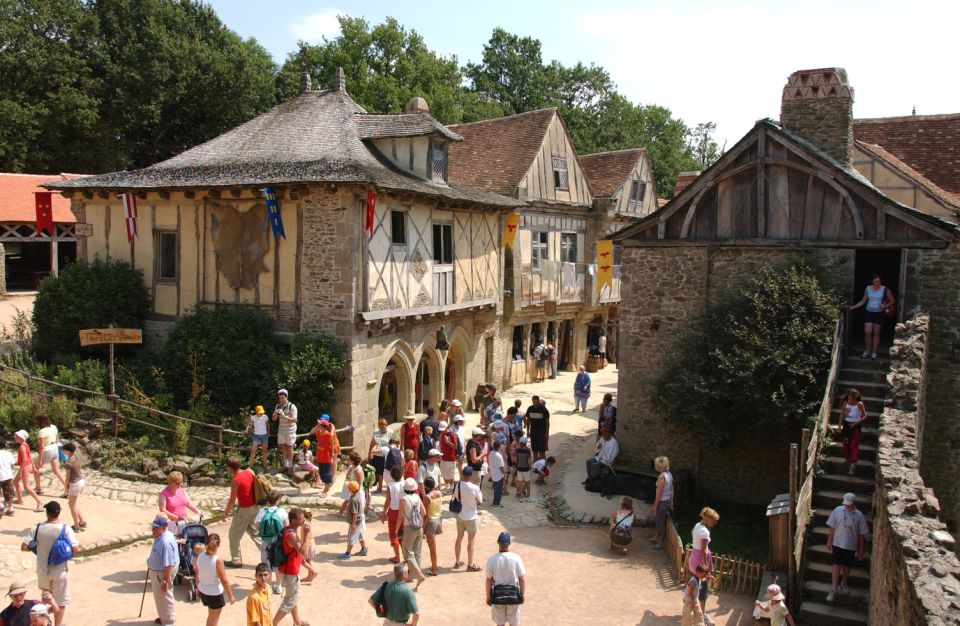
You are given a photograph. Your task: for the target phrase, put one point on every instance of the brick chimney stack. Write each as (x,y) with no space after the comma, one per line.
(683,181)
(818,106)
(416,104)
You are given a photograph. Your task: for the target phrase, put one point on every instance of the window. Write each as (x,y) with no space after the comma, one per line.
(638,191)
(560,173)
(438,161)
(568,247)
(166,256)
(538,249)
(398,228)
(443,244)
(617,254)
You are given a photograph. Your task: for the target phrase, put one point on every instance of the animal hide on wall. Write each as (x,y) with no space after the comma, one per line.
(240,241)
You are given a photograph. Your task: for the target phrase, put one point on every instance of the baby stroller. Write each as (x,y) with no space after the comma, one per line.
(190,535)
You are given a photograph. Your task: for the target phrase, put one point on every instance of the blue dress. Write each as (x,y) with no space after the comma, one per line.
(581,386)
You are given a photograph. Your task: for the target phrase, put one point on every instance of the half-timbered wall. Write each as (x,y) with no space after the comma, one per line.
(621,198)
(898,187)
(406,276)
(538,183)
(410,154)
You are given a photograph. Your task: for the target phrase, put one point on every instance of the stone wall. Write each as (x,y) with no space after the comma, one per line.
(664,287)
(932,279)
(914,575)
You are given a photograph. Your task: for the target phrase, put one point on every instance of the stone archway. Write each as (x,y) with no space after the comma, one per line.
(455,369)
(428,384)
(395,392)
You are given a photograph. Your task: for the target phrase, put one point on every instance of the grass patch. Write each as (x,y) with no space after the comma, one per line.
(742,531)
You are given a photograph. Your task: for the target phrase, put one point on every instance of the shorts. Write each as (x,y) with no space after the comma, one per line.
(538,442)
(261,440)
(467,525)
(287,437)
(49,454)
(505,614)
(213,602)
(8,492)
(326,472)
(874,317)
(358,534)
(308,467)
(291,592)
(704,591)
(448,470)
(434,527)
(523,477)
(378,463)
(57,583)
(541,364)
(842,556)
(75,489)
(544,472)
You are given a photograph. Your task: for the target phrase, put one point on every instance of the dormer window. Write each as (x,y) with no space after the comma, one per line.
(438,161)
(637,192)
(560,179)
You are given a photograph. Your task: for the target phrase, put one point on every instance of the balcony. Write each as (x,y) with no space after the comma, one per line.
(556,281)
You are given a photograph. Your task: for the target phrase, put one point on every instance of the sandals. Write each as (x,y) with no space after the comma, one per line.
(39,509)
(473,568)
(458,564)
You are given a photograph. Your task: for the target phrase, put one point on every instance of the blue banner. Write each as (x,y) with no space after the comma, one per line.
(273,212)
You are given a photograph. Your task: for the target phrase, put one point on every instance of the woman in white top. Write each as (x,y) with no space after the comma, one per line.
(49,448)
(259,420)
(663,502)
(212,580)
(379,444)
(879,303)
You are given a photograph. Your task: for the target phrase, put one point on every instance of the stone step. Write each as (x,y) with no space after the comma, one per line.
(817,552)
(868,430)
(853,360)
(844,482)
(859,376)
(830,499)
(868,451)
(817,591)
(839,465)
(865,387)
(823,572)
(822,614)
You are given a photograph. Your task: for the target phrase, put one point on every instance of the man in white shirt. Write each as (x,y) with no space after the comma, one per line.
(846,539)
(470,498)
(286,414)
(52,578)
(505,568)
(461,431)
(431,468)
(605,454)
(6,478)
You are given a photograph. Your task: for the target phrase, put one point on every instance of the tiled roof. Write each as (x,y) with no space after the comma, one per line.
(607,171)
(406,125)
(930,144)
(17,202)
(953,200)
(496,154)
(314,137)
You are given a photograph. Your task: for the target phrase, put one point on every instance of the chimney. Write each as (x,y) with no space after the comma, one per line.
(416,104)
(305,82)
(683,181)
(341,81)
(817,105)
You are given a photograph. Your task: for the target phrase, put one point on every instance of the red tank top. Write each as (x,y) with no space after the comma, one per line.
(244,482)
(292,565)
(411,437)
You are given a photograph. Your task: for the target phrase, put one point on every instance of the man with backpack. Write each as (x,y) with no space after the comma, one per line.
(413,515)
(270,522)
(395,602)
(286,554)
(243,495)
(505,583)
(162,565)
(53,543)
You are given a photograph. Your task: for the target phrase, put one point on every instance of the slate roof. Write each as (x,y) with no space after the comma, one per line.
(18,204)
(314,137)
(607,171)
(930,144)
(496,154)
(953,200)
(405,125)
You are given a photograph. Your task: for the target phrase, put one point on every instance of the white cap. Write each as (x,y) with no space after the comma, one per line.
(22,434)
(410,484)
(456,403)
(443,425)
(478,431)
(433,452)
(849,498)
(459,418)
(283,392)
(39,609)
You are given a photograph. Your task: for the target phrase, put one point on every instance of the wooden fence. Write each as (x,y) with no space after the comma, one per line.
(803,464)
(730,574)
(39,388)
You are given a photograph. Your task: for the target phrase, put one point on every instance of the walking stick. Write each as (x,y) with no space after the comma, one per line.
(144,595)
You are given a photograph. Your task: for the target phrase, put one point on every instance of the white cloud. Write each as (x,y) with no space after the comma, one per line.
(314,27)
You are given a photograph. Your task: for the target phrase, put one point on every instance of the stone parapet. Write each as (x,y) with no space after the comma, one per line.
(915,576)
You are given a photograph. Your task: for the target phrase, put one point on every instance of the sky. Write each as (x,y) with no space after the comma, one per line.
(724,62)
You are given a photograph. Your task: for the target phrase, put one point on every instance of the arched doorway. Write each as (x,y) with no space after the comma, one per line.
(427,385)
(450,377)
(393,400)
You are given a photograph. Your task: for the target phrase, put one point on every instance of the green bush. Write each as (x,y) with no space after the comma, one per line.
(315,365)
(230,355)
(755,362)
(62,412)
(90,374)
(17,412)
(87,295)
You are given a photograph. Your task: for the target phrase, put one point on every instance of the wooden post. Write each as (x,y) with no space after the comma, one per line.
(54,253)
(220,443)
(804,444)
(116,410)
(113,389)
(794,593)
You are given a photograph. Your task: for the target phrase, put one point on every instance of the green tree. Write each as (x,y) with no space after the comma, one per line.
(87,295)
(385,65)
(315,365)
(703,146)
(756,361)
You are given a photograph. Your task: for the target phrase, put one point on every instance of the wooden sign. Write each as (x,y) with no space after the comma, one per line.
(93,336)
(550,307)
(83,230)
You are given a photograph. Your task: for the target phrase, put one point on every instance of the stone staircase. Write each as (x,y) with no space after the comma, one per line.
(869,377)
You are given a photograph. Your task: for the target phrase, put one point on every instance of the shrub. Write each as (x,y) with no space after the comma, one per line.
(62,411)
(315,365)
(89,374)
(229,355)
(17,411)
(87,295)
(755,362)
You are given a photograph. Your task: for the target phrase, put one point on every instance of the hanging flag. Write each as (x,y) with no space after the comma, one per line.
(273,212)
(371,205)
(510,230)
(44,212)
(130,214)
(604,264)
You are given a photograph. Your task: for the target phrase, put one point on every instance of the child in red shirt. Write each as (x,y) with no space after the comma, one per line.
(25,463)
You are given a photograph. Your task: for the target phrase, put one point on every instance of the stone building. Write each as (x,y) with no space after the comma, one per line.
(549,292)
(786,190)
(430,258)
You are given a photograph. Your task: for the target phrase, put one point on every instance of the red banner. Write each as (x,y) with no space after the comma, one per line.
(44,212)
(371,204)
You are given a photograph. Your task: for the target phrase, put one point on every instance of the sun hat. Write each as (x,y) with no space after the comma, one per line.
(466,471)
(410,484)
(258,410)
(459,418)
(283,392)
(409,416)
(503,538)
(16,588)
(159,522)
(774,592)
(305,444)
(444,425)
(478,431)
(353,486)
(524,440)
(433,452)
(22,434)
(456,402)
(849,498)
(39,609)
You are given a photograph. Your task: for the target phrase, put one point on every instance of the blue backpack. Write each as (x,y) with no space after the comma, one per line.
(61,551)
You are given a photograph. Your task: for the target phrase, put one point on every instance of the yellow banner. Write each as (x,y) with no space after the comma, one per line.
(510,230)
(604,264)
